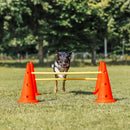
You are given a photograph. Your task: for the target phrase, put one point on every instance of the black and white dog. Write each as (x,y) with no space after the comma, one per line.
(61,64)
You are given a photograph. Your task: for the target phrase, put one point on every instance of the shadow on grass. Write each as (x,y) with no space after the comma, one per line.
(41,100)
(46,93)
(120,99)
(81,92)
(49,100)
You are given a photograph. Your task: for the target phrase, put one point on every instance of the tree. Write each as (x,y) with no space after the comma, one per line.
(37,23)
(117,12)
(71,25)
(78,25)
(24,23)
(13,33)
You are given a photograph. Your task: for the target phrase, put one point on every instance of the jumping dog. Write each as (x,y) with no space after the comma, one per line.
(61,64)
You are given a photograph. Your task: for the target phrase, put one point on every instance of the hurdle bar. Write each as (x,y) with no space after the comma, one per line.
(54,79)
(65,73)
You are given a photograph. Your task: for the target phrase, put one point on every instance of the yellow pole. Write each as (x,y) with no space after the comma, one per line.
(66,73)
(53,79)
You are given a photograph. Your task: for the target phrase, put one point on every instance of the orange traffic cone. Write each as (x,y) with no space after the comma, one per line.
(98,79)
(34,81)
(28,95)
(105,93)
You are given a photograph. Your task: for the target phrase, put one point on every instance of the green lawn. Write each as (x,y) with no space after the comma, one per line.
(73,110)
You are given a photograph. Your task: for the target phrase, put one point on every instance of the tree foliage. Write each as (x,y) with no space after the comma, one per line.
(50,25)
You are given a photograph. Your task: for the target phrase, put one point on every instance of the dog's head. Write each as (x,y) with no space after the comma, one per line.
(63,59)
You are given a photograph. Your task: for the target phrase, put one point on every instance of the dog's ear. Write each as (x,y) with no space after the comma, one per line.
(69,54)
(57,54)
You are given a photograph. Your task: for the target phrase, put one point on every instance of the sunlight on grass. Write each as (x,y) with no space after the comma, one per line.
(73,110)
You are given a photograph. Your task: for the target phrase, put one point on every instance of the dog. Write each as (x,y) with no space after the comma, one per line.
(61,64)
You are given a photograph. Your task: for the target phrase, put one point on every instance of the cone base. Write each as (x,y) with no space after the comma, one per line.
(28,101)
(105,101)
(37,94)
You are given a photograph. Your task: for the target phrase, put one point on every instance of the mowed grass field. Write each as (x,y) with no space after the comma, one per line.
(73,110)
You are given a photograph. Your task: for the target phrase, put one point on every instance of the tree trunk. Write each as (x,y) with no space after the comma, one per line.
(40,52)
(105,47)
(93,59)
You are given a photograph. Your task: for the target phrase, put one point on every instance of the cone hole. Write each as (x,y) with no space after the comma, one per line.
(26,96)
(105,96)
(27,72)
(105,84)
(27,84)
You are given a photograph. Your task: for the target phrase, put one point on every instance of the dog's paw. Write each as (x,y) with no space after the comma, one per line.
(63,90)
(55,91)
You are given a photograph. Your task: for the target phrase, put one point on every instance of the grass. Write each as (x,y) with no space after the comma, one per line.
(73,110)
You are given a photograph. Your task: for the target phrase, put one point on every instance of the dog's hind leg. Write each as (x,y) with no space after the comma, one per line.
(56,84)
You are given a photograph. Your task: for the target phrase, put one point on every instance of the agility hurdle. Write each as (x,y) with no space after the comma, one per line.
(102,89)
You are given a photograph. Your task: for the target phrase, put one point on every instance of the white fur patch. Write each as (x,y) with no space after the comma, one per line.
(60,76)
(52,65)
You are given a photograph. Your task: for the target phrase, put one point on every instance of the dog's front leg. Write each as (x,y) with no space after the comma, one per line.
(56,84)
(64,86)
